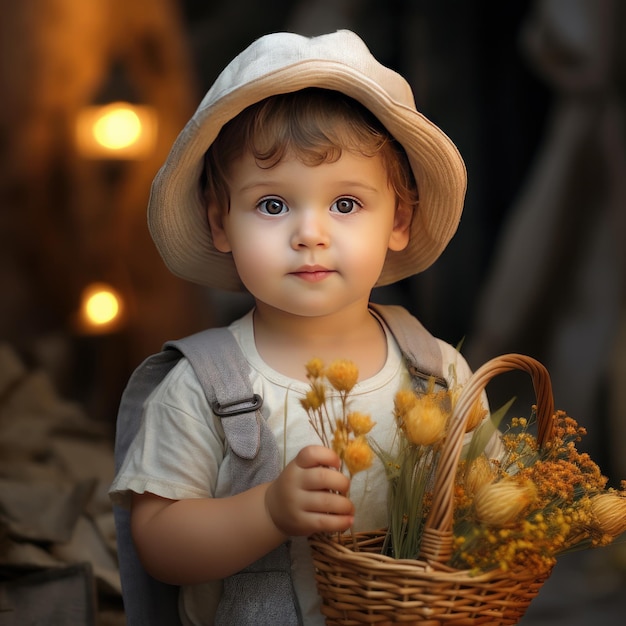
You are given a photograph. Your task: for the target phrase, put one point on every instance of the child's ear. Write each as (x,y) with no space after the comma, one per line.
(216,222)
(399,238)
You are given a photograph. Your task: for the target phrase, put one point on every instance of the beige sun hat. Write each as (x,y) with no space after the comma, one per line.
(283,63)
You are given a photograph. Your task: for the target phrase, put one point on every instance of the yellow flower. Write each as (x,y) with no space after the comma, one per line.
(609,511)
(360,423)
(479,474)
(340,439)
(476,415)
(501,503)
(314,368)
(425,423)
(357,455)
(314,398)
(342,375)
(404,401)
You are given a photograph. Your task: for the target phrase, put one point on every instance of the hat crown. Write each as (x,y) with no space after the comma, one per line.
(279,51)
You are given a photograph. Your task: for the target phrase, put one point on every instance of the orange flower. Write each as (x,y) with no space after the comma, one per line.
(342,375)
(425,423)
(476,415)
(357,455)
(501,503)
(340,439)
(479,474)
(314,368)
(404,401)
(314,398)
(360,423)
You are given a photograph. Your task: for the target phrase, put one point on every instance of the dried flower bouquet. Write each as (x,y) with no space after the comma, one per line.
(452,507)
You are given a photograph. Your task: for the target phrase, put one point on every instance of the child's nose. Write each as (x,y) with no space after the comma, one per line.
(311,230)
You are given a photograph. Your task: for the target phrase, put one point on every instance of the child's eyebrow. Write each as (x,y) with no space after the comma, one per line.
(261,184)
(358,183)
(258,184)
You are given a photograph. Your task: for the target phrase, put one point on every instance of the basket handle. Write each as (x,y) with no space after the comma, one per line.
(438,538)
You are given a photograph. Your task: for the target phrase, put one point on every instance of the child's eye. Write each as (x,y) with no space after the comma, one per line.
(272,206)
(346,205)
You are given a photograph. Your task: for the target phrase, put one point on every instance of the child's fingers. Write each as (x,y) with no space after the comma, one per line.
(328,503)
(320,465)
(311,456)
(326,512)
(324,479)
(331,523)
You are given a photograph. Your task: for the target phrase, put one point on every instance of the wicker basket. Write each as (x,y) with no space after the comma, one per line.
(363,586)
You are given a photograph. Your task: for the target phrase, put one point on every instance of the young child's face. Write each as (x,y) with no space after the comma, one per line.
(310,240)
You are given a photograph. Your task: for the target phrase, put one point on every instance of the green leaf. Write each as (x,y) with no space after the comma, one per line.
(485,431)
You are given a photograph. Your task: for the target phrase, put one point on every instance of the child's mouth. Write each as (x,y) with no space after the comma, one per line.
(312,274)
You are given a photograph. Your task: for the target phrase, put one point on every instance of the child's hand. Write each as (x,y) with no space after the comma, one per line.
(309,495)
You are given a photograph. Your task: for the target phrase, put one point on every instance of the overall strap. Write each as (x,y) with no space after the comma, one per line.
(419,348)
(263,592)
(224,374)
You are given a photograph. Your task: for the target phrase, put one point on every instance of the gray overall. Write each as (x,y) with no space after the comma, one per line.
(248,598)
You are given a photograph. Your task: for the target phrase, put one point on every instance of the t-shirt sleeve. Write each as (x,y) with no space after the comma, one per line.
(179,448)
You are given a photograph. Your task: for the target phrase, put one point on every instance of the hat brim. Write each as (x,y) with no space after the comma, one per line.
(177,214)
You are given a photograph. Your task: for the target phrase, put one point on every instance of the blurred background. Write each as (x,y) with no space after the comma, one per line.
(532,93)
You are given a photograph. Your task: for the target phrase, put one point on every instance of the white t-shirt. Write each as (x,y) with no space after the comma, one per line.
(178,452)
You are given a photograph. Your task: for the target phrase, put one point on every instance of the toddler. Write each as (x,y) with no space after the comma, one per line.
(306,177)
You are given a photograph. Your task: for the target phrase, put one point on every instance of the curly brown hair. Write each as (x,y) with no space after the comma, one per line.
(315,125)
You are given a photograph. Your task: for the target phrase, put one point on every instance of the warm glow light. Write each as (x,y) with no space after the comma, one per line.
(117,128)
(101,309)
(116,131)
